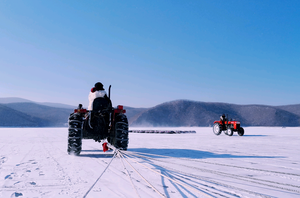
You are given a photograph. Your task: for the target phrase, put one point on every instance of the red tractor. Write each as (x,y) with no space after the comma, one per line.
(228,127)
(103,124)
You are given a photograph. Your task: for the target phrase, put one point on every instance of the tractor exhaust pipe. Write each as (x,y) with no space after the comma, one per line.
(109,91)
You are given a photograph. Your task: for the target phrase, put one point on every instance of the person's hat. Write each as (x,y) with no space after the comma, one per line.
(99,86)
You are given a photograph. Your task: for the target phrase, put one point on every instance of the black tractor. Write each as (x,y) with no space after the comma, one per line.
(103,123)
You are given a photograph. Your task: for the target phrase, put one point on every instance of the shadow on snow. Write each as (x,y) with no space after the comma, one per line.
(188,153)
(96,154)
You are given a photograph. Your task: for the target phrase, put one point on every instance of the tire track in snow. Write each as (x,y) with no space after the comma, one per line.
(219,184)
(290,176)
(214,163)
(248,179)
(210,181)
(248,168)
(202,189)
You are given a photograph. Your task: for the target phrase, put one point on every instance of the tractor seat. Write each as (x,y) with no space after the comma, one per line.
(100,103)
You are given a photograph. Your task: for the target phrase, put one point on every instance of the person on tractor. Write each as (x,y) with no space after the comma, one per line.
(223,119)
(97,92)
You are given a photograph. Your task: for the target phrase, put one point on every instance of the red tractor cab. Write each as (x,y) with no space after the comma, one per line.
(228,127)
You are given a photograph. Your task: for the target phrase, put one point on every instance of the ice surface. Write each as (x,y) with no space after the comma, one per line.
(265,162)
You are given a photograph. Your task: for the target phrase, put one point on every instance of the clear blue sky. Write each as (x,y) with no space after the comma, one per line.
(242,52)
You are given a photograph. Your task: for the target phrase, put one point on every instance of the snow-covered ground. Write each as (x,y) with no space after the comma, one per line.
(265,162)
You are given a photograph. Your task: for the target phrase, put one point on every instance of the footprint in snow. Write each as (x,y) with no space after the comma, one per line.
(32,183)
(8,177)
(97,190)
(3,160)
(20,164)
(16,194)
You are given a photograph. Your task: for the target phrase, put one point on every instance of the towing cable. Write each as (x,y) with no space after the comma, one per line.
(115,154)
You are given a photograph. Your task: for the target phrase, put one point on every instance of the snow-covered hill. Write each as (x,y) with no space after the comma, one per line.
(9,100)
(32,115)
(262,163)
(181,113)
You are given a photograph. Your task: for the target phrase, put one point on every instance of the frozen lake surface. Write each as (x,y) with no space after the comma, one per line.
(265,162)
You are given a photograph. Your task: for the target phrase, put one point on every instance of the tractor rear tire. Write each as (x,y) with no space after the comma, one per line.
(120,139)
(217,129)
(75,134)
(229,132)
(241,131)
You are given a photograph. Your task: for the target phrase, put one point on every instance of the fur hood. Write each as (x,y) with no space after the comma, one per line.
(93,95)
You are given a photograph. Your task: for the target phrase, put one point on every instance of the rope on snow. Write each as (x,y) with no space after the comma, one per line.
(115,154)
(122,157)
(142,176)
(180,183)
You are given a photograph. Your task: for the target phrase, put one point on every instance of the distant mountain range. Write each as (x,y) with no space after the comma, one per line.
(22,100)
(32,115)
(192,113)
(18,112)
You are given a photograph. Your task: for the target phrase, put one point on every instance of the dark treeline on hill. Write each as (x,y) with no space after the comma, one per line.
(192,113)
(174,113)
(30,114)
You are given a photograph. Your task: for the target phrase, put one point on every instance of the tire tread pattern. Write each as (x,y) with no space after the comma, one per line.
(121,132)
(75,134)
